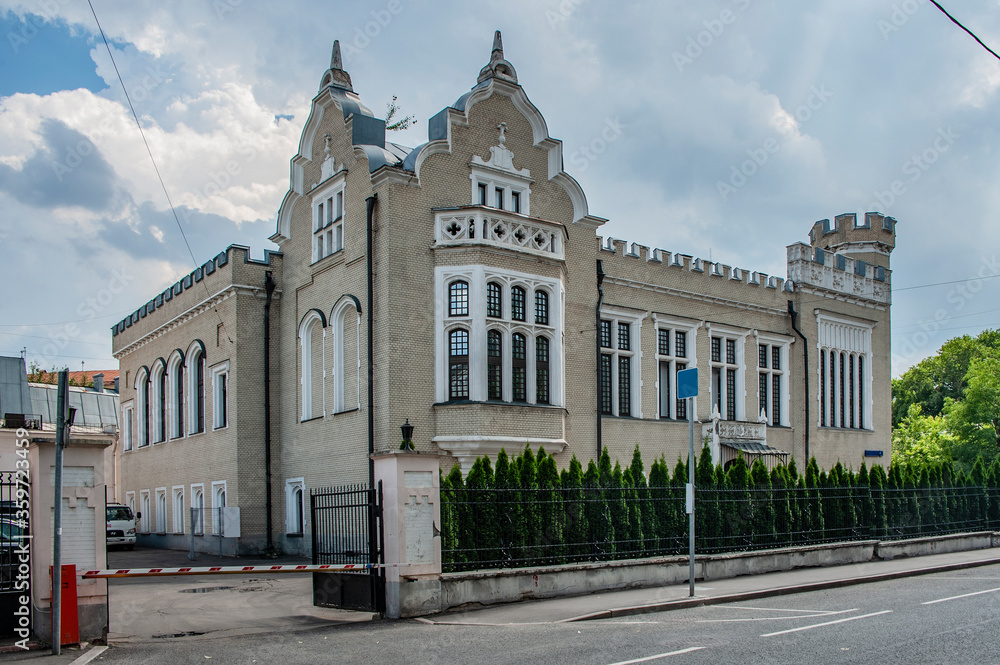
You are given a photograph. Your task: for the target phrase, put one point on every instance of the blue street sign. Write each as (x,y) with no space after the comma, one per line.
(687,383)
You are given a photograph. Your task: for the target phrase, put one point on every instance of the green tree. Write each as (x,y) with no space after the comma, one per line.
(575,529)
(976,418)
(551,510)
(394,124)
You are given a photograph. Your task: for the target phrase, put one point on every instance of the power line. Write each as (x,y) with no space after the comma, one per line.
(955,21)
(149,151)
(60,323)
(50,339)
(954,281)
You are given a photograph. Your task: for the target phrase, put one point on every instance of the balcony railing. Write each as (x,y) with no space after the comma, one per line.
(21,421)
(477,225)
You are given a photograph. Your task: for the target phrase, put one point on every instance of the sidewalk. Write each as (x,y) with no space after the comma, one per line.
(638,601)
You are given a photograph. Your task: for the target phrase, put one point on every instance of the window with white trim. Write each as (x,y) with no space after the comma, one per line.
(159,403)
(198,509)
(161,510)
(177,510)
(196,389)
(618,336)
(312,345)
(726,363)
(175,373)
(672,344)
(503,193)
(772,379)
(144,505)
(295,506)
(130,501)
(328,221)
(844,372)
(142,407)
(491,346)
(218,503)
(220,396)
(128,425)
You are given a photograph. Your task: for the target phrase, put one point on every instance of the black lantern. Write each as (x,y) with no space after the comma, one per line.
(407,430)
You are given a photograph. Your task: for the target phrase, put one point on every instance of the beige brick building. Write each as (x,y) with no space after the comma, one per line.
(462,286)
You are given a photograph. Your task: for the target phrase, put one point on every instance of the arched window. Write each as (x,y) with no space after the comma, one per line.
(343,364)
(517,303)
(196,389)
(494,360)
(198,511)
(519,355)
(175,371)
(458,364)
(541,308)
(298,521)
(494,300)
(458,299)
(542,370)
(218,504)
(312,334)
(142,406)
(159,403)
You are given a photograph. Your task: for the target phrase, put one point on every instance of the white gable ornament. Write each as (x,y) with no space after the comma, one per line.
(500,157)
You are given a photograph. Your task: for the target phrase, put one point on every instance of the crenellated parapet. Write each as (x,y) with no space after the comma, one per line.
(613,249)
(873,234)
(837,274)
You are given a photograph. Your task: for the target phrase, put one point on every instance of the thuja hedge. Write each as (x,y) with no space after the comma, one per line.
(523,511)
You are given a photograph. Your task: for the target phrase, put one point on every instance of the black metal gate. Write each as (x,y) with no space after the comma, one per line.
(347,528)
(14,553)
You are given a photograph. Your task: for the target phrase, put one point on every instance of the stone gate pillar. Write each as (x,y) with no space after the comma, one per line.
(411,521)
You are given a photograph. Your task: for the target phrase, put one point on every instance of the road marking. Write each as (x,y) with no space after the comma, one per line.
(827,623)
(89,655)
(658,656)
(774,609)
(964,595)
(799,616)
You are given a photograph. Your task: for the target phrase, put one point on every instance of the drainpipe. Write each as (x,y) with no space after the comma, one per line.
(805,359)
(371,201)
(269,287)
(597,339)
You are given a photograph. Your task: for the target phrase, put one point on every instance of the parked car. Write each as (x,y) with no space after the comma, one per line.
(121,525)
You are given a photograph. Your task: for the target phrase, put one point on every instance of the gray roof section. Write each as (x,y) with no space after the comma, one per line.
(14,396)
(92,408)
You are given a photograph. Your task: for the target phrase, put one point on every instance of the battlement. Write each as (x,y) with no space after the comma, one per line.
(690,264)
(820,268)
(234,254)
(875,230)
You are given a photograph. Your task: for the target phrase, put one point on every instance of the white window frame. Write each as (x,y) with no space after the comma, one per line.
(128,426)
(739,336)
(175,375)
(145,506)
(842,334)
(217,506)
(156,396)
(291,516)
(198,501)
(177,508)
(143,430)
(634,321)
(784,345)
(161,510)
(507,184)
(130,500)
(673,326)
(339,372)
(217,372)
(307,381)
(328,230)
(477,323)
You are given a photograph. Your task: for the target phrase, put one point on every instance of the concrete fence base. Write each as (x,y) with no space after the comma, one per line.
(422,595)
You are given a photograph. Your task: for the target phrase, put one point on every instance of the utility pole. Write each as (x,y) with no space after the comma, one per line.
(62,408)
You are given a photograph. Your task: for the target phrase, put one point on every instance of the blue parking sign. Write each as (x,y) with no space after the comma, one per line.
(687,383)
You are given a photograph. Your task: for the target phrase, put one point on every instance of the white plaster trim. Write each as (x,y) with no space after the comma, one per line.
(466,449)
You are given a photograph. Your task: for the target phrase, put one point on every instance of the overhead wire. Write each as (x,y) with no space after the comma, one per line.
(956,22)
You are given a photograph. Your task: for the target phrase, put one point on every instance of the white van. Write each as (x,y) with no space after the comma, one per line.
(121,525)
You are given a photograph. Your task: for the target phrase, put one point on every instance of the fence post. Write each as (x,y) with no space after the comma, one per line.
(411,523)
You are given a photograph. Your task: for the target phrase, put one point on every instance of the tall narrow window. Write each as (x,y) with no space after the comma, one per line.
(458,365)
(498,202)
(680,344)
(144,424)
(199,397)
(515,201)
(606,406)
(542,370)
(458,299)
(128,433)
(771,390)
(517,304)
(494,300)
(494,361)
(670,349)
(197,510)
(682,409)
(624,337)
(541,308)
(624,385)
(850,375)
(842,391)
(822,388)
(833,388)
(482,193)
(861,392)
(663,342)
(519,353)
(605,334)
(220,396)
(328,223)
(731,394)
(726,376)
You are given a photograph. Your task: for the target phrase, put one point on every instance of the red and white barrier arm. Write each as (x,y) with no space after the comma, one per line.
(235,570)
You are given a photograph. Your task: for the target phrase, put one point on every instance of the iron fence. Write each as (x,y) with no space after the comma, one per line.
(513,528)
(345,524)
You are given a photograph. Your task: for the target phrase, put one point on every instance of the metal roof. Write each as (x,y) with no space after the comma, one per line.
(753,447)
(92,408)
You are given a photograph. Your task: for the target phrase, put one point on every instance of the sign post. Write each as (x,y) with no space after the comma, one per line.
(687,388)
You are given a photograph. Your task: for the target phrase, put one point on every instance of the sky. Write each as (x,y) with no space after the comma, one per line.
(720,128)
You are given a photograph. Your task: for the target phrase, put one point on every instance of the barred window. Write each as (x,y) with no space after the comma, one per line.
(494,300)
(624,385)
(669,364)
(682,409)
(624,337)
(663,342)
(494,360)
(458,370)
(772,382)
(517,303)
(716,349)
(458,299)
(541,308)
(725,376)
(519,354)
(542,370)
(680,344)
(606,407)
(605,334)
(731,351)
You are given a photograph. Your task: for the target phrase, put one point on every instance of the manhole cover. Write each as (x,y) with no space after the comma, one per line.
(206,589)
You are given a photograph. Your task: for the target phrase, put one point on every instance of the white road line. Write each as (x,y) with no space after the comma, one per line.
(661,655)
(964,595)
(800,616)
(773,609)
(827,623)
(89,655)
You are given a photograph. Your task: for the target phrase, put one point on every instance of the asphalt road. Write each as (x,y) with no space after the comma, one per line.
(949,617)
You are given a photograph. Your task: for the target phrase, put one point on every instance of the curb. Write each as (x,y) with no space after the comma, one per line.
(775,591)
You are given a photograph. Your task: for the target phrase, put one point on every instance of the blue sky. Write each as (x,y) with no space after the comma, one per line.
(873,105)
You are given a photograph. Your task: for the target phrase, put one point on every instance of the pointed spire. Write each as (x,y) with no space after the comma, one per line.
(498,66)
(336,76)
